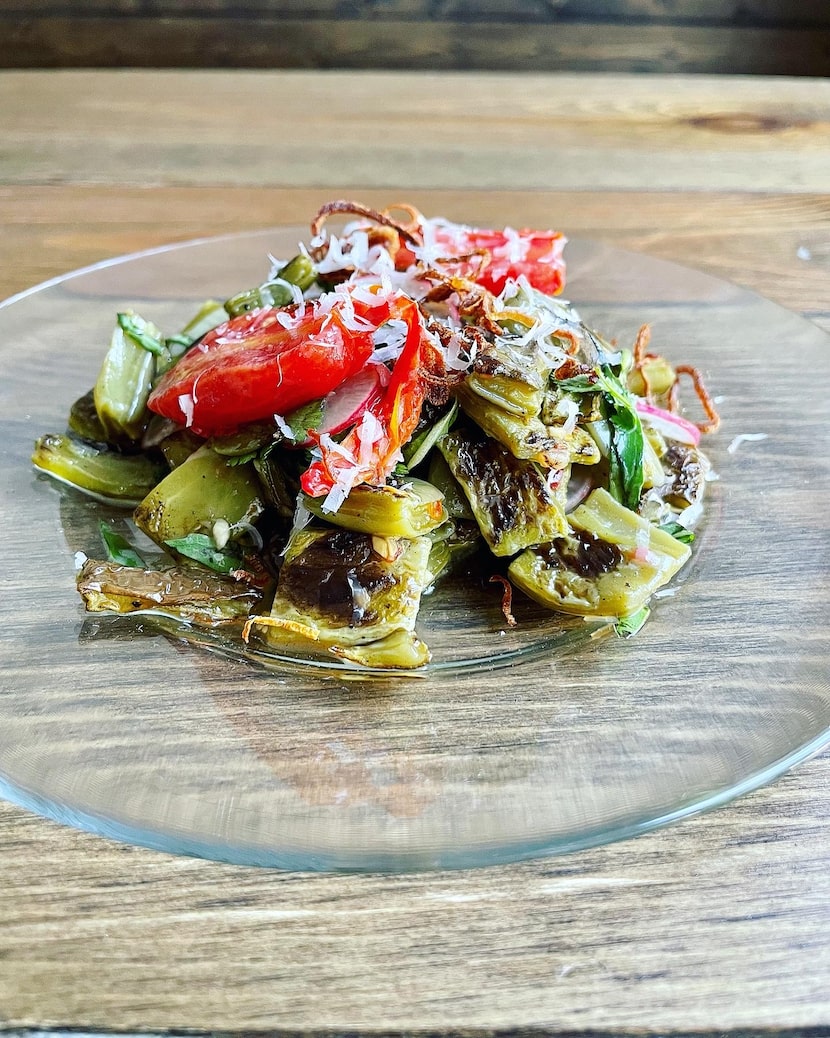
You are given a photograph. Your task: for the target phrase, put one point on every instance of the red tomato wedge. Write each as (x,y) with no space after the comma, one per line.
(370,451)
(538,255)
(253,366)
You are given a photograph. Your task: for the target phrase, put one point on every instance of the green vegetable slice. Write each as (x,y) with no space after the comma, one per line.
(123,385)
(610,564)
(196,596)
(121,479)
(410,510)
(198,493)
(417,449)
(510,498)
(343,593)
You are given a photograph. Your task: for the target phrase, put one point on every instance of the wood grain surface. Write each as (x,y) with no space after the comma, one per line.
(717,925)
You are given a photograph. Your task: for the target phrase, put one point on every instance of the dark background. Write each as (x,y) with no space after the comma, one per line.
(778,37)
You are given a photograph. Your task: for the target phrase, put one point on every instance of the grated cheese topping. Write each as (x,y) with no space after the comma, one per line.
(284,427)
(186,404)
(742,438)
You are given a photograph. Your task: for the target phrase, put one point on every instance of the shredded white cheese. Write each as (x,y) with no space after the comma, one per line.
(369,434)
(389,340)
(186,405)
(347,475)
(284,427)
(296,293)
(690,515)
(514,250)
(291,321)
(302,517)
(568,409)
(458,353)
(745,438)
(351,251)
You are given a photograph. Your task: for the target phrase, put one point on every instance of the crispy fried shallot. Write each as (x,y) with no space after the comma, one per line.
(409,233)
(641,356)
(473,301)
(572,368)
(506,598)
(437,379)
(703,396)
(478,259)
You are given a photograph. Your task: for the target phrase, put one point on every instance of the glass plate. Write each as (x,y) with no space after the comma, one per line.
(514,743)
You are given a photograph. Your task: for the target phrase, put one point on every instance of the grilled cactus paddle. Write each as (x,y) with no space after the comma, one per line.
(124,382)
(525,437)
(411,510)
(202,490)
(349,593)
(452,543)
(277,292)
(399,650)
(84,422)
(519,392)
(510,498)
(609,565)
(121,479)
(195,595)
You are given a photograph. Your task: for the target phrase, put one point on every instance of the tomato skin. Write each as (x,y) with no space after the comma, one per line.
(252,367)
(535,254)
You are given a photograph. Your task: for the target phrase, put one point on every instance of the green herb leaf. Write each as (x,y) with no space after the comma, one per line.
(680,533)
(627,440)
(119,549)
(628,626)
(139,331)
(624,425)
(309,416)
(625,428)
(202,548)
(240,459)
(626,457)
(580,384)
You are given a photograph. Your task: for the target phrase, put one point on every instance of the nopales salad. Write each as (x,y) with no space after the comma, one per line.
(399,400)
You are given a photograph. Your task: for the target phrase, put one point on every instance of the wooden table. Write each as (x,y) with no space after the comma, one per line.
(717,924)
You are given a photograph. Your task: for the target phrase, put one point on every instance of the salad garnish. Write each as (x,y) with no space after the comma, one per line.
(404,399)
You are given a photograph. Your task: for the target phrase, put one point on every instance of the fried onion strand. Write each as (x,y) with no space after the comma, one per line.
(706,401)
(358,209)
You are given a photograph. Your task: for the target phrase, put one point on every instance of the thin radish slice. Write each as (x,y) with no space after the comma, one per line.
(345,405)
(669,424)
(580,486)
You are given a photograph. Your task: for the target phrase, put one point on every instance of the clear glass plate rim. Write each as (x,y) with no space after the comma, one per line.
(400,862)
